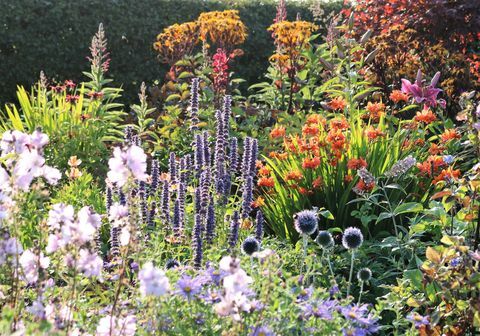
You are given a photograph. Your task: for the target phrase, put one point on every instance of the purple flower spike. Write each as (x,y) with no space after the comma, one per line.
(234,226)
(197,241)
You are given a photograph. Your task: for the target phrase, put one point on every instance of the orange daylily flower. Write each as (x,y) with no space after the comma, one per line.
(277,132)
(450,134)
(268,182)
(373,133)
(447,174)
(397,96)
(310,130)
(311,163)
(294,175)
(426,116)
(337,103)
(355,164)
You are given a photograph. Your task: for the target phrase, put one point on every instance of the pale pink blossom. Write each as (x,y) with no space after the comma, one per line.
(153,281)
(126,164)
(113,326)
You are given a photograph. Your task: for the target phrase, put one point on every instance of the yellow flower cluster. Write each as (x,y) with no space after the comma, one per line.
(291,37)
(176,41)
(224,29)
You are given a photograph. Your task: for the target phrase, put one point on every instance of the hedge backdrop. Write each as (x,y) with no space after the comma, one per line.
(54,36)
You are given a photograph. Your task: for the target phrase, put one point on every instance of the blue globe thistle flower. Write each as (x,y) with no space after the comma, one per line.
(352,238)
(250,245)
(364,274)
(325,239)
(172,263)
(306,222)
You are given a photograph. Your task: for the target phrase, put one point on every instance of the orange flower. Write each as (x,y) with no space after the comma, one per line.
(294,175)
(305,191)
(310,130)
(432,165)
(336,139)
(277,132)
(397,96)
(259,202)
(419,142)
(447,174)
(339,124)
(311,163)
(268,182)
(426,116)
(376,110)
(264,171)
(317,183)
(348,178)
(362,187)
(436,149)
(337,103)
(316,119)
(450,134)
(355,164)
(282,156)
(373,133)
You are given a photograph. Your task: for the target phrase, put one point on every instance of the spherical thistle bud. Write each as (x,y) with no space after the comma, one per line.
(171,263)
(325,239)
(364,274)
(352,238)
(306,222)
(250,245)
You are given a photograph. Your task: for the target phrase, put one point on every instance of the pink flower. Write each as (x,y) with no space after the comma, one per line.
(131,162)
(30,263)
(423,94)
(113,326)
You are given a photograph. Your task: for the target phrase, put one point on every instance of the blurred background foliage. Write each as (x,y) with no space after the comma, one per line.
(53,36)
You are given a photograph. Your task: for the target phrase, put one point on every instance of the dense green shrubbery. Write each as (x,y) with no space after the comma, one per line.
(53,36)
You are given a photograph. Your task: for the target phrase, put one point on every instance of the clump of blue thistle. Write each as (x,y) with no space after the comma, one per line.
(250,245)
(165,206)
(172,263)
(172,167)
(210,224)
(155,174)
(247,197)
(325,239)
(234,227)
(197,241)
(364,274)
(194,104)
(352,238)
(259,222)
(306,222)
(401,167)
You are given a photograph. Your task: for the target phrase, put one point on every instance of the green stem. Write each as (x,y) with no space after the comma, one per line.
(361,292)
(305,243)
(351,273)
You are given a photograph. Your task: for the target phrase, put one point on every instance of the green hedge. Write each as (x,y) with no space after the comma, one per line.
(54,36)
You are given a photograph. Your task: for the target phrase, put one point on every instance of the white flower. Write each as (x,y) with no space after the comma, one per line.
(90,264)
(119,326)
(60,214)
(124,236)
(117,212)
(31,263)
(229,264)
(153,281)
(126,164)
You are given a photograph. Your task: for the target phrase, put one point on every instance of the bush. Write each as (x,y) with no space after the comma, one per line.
(53,36)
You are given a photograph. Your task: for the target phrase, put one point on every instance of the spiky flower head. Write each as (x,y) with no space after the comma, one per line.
(306,222)
(250,245)
(366,176)
(364,274)
(401,167)
(325,239)
(172,263)
(352,238)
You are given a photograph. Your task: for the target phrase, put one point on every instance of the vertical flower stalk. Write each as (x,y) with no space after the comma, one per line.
(142,195)
(172,168)
(234,227)
(108,198)
(176,217)
(194,104)
(247,197)
(259,225)
(197,201)
(206,150)
(198,157)
(151,215)
(219,154)
(197,241)
(227,112)
(247,153)
(210,224)
(128,135)
(165,206)
(155,175)
(233,157)
(181,201)
(205,182)
(253,157)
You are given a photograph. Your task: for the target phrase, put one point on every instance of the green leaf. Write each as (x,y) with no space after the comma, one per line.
(408,208)
(326,214)
(415,277)
(384,215)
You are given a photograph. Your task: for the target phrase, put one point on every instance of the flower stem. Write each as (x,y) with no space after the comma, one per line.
(351,273)
(361,292)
